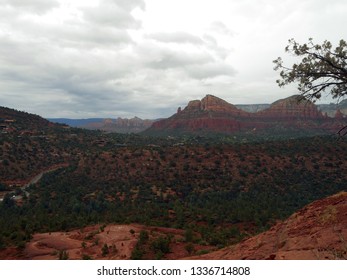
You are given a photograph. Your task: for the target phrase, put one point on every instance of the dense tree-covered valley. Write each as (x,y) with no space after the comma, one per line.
(218,189)
(222,191)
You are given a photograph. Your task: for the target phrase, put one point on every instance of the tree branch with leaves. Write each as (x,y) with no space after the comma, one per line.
(321,69)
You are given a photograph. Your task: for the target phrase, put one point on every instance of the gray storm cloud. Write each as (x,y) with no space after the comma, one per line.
(104,60)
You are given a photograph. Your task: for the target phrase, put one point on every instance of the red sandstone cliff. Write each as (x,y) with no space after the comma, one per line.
(292,108)
(209,114)
(214,115)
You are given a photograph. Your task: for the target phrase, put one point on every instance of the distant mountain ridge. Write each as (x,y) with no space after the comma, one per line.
(75,122)
(211,103)
(214,115)
(330,108)
(119,125)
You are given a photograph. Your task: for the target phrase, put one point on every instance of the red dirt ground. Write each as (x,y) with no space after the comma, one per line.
(88,242)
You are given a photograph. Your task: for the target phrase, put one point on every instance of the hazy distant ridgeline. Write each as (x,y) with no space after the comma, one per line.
(137,125)
(119,125)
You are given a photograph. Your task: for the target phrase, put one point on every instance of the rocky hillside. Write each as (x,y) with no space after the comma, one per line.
(214,115)
(318,231)
(13,120)
(106,242)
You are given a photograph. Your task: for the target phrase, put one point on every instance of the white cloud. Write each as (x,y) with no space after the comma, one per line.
(162,58)
(30,6)
(211,70)
(176,37)
(221,28)
(114,14)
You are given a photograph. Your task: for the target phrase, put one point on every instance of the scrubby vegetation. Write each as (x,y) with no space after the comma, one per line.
(219,190)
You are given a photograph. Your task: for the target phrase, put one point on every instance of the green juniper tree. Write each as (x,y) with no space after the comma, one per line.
(322,69)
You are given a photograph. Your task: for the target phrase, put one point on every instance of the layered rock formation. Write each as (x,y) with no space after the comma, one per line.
(120,125)
(291,108)
(214,115)
(209,114)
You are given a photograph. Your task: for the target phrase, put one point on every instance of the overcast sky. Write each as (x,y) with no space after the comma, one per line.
(125,58)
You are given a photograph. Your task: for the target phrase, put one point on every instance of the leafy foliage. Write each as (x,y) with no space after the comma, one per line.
(321,69)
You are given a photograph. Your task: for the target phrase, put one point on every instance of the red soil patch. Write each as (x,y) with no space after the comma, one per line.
(86,242)
(89,241)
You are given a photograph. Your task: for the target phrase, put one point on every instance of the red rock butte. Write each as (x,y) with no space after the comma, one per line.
(213,114)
